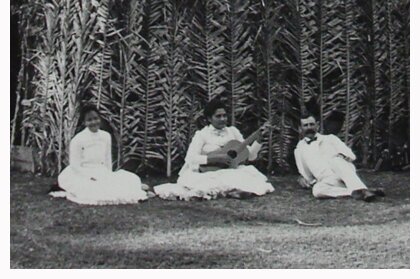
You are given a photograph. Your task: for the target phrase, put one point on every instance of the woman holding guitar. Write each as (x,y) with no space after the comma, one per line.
(213,164)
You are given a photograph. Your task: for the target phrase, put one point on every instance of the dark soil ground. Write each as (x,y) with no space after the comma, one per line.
(261,232)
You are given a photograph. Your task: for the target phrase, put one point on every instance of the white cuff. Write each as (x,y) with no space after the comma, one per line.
(202,160)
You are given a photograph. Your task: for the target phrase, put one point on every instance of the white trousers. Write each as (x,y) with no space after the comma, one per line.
(339,182)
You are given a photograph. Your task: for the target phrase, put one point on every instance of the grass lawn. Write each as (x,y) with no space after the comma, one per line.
(256,233)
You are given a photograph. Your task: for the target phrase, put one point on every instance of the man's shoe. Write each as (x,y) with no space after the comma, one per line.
(379,192)
(363,195)
(358,194)
(369,196)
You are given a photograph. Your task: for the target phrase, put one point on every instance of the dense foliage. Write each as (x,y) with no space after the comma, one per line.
(150,66)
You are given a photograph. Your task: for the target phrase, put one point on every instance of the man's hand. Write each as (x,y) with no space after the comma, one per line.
(340,155)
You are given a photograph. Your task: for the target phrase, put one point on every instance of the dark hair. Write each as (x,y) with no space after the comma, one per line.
(86,109)
(311,108)
(212,106)
(306,114)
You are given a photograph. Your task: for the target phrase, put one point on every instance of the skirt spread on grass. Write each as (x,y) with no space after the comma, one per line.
(213,184)
(119,187)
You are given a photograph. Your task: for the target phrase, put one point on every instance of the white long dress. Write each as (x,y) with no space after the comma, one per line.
(90,157)
(209,185)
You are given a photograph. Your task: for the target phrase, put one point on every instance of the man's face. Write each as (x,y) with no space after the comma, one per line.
(309,127)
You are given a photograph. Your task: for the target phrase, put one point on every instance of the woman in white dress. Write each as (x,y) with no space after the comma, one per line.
(242,182)
(89,178)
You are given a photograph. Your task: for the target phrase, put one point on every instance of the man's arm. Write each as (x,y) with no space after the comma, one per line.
(299,163)
(342,148)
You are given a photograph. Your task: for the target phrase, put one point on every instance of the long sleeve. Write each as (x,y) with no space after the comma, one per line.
(253,149)
(75,156)
(301,168)
(194,156)
(108,154)
(342,148)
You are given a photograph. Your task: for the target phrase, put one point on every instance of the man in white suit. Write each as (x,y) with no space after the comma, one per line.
(325,164)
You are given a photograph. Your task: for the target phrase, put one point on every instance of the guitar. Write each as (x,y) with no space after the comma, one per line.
(236,150)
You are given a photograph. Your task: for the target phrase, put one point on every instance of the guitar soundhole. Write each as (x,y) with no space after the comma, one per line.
(232,154)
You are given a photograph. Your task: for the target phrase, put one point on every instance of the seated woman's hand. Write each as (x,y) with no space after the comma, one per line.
(223,159)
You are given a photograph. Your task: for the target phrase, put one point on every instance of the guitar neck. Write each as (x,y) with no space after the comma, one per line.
(250,139)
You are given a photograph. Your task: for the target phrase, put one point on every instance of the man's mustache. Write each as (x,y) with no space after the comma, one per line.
(309,132)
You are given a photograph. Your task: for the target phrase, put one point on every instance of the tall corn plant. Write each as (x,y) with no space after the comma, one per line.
(399,107)
(106,36)
(149,71)
(382,74)
(36,115)
(309,53)
(268,93)
(291,97)
(207,45)
(30,23)
(333,58)
(62,93)
(173,46)
(356,60)
(151,66)
(238,59)
(360,112)
(405,12)
(120,98)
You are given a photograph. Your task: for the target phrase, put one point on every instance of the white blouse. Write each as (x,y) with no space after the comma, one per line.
(89,149)
(210,139)
(312,157)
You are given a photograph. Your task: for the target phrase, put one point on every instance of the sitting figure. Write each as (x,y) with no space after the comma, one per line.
(195,183)
(325,164)
(89,178)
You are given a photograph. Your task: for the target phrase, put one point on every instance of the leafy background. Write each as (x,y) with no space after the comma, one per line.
(150,66)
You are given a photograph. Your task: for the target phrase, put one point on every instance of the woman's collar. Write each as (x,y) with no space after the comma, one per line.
(212,128)
(87,130)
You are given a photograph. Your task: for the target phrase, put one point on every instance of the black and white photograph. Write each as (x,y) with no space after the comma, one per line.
(209,134)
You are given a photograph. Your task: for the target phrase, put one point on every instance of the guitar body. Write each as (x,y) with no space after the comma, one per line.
(236,150)
(233,149)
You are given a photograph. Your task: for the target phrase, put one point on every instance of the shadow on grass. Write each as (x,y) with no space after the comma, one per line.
(74,257)
(35,217)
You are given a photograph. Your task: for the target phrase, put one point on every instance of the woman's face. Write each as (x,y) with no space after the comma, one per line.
(92,121)
(219,119)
